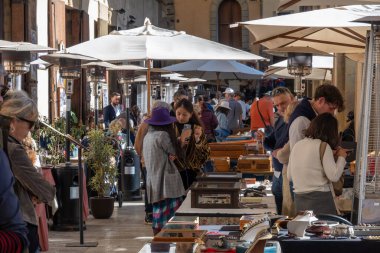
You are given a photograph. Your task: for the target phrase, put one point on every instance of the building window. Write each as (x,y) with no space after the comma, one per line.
(229,12)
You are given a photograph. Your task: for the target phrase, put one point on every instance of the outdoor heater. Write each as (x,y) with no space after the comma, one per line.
(16,63)
(299,63)
(96,75)
(125,79)
(17,56)
(69,70)
(155,78)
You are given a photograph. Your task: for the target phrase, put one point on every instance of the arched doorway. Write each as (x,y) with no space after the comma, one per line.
(229,12)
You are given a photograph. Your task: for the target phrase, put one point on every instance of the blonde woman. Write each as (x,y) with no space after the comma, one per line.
(283,157)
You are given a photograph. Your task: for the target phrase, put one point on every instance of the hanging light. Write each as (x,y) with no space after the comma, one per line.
(69,69)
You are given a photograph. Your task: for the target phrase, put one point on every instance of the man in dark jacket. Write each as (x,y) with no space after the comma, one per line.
(111,111)
(282,97)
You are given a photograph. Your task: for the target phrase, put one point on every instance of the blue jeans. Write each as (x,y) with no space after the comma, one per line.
(277,192)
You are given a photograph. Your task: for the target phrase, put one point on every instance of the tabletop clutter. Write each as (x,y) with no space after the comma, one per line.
(260,230)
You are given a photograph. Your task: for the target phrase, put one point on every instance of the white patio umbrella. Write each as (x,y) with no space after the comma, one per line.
(322,67)
(330,30)
(285,4)
(153,43)
(193,80)
(216,70)
(23,47)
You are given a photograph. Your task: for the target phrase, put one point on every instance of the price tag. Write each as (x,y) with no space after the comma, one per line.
(74,192)
(129,170)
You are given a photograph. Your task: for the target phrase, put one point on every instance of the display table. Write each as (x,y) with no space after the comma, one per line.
(223,216)
(317,245)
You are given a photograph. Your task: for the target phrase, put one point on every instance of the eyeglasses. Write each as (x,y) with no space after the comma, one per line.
(31,123)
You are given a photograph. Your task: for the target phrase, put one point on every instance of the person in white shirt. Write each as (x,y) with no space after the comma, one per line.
(311,174)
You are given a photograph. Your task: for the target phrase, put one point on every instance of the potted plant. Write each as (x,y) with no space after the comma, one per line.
(100,157)
(53,145)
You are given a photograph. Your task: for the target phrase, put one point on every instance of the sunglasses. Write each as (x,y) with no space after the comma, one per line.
(279,91)
(31,123)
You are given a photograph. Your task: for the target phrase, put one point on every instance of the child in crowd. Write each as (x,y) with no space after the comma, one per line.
(163,181)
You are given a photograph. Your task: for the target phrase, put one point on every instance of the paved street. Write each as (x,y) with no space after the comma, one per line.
(125,231)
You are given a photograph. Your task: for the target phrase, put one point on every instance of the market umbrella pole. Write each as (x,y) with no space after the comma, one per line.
(148,83)
(217,81)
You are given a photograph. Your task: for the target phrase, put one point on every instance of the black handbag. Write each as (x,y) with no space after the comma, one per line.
(268,128)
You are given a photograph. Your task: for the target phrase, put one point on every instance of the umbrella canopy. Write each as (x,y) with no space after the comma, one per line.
(284,4)
(154,43)
(334,33)
(23,47)
(149,42)
(193,80)
(217,69)
(56,58)
(322,66)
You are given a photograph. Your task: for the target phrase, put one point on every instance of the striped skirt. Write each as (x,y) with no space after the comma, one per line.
(164,210)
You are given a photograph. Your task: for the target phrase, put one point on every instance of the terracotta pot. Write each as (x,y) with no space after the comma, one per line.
(102,207)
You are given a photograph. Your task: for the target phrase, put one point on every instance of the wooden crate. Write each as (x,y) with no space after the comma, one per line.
(221,164)
(215,195)
(233,151)
(254,164)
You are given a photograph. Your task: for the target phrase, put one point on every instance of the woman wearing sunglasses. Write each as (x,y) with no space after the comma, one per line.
(30,187)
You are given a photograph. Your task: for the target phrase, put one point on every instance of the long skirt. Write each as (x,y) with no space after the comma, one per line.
(164,210)
(319,202)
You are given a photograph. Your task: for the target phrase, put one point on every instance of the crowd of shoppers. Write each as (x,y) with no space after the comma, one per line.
(173,144)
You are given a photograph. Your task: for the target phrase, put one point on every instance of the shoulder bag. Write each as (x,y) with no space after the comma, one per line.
(268,128)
